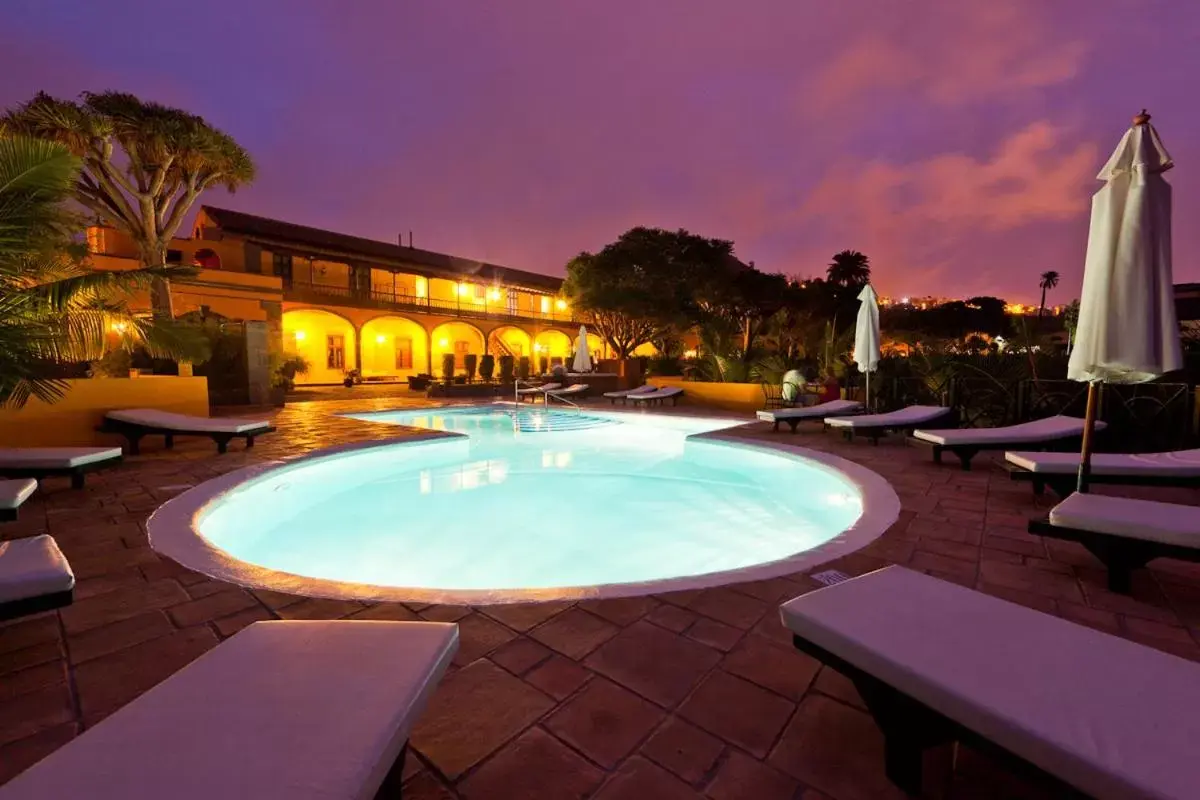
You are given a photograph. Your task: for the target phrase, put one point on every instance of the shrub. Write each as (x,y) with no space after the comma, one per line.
(448,367)
(487,367)
(470,360)
(523,368)
(506,369)
(114,364)
(285,369)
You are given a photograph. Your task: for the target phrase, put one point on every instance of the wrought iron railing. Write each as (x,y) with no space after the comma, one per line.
(402,301)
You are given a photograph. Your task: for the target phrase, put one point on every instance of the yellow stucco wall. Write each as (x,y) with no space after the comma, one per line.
(73,419)
(728,396)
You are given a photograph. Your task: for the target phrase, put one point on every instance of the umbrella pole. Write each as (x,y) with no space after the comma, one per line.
(1089,427)
(867,398)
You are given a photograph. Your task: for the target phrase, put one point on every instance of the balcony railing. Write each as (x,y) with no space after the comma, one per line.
(402,301)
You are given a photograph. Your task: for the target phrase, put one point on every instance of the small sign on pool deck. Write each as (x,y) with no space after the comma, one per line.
(830,576)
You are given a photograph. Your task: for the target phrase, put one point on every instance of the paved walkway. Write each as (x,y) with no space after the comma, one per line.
(685,695)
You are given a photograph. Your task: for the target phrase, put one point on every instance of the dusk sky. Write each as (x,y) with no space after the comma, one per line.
(956,142)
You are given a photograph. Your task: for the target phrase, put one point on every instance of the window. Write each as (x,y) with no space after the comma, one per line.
(480,292)
(206,259)
(281,265)
(460,350)
(403,353)
(174,256)
(335,351)
(545,305)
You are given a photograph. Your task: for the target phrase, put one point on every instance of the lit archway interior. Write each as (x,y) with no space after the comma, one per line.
(510,340)
(394,346)
(552,345)
(324,340)
(458,338)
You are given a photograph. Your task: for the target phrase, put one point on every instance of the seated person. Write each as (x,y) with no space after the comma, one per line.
(830,390)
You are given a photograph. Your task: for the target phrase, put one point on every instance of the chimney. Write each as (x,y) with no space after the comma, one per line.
(410,238)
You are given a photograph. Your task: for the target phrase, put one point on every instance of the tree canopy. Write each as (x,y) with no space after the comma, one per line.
(54,310)
(650,281)
(142,164)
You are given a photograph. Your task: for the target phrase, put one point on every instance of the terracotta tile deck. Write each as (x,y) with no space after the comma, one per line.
(684,695)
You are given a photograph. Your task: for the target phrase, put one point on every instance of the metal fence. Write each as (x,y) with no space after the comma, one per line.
(1140,417)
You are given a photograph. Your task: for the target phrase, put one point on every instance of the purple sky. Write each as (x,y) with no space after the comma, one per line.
(956,142)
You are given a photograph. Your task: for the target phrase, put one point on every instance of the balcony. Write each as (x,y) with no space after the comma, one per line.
(360,297)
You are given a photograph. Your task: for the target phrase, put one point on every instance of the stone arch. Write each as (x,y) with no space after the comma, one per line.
(552,344)
(326,340)
(393,344)
(457,337)
(510,340)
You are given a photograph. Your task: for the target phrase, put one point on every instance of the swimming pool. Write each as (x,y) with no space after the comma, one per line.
(502,503)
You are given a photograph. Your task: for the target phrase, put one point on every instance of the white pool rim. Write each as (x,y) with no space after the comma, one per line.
(174,532)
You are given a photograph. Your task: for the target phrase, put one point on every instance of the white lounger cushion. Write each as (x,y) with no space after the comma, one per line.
(33,567)
(1180,462)
(545,387)
(54,457)
(1039,430)
(574,388)
(811,412)
(1153,521)
(15,492)
(657,394)
(153,418)
(627,392)
(301,709)
(1113,718)
(904,417)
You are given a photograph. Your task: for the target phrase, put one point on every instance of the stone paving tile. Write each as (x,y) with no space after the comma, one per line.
(520,655)
(574,633)
(834,748)
(657,664)
(639,779)
(604,722)
(744,778)
(137,618)
(683,749)
(535,765)
(475,711)
(738,711)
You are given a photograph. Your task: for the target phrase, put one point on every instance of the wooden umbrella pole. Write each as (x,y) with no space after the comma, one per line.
(1089,429)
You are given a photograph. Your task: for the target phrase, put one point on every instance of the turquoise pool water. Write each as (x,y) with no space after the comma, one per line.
(532,500)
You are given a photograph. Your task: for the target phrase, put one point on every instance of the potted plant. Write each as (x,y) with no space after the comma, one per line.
(523,368)
(487,367)
(470,360)
(284,370)
(543,365)
(506,369)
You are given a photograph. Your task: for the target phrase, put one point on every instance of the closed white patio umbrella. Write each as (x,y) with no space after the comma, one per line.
(583,358)
(866,336)
(1127,331)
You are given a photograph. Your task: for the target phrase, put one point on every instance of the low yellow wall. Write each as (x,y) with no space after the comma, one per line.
(73,419)
(729,396)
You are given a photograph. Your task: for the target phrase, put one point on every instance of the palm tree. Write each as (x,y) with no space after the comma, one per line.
(1049,281)
(849,268)
(54,310)
(143,165)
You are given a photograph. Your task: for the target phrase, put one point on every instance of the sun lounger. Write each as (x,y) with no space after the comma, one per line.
(624,394)
(1059,470)
(42,462)
(532,392)
(874,426)
(794,416)
(1124,533)
(966,443)
(12,494)
(305,710)
(134,423)
(672,393)
(573,389)
(936,662)
(34,577)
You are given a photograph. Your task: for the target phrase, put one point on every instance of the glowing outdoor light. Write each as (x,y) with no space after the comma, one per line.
(299,336)
(443,342)
(119,327)
(494,294)
(904,300)
(537,348)
(560,304)
(689,354)
(380,339)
